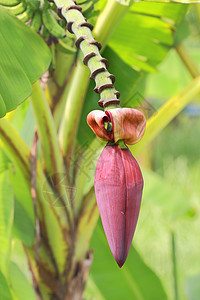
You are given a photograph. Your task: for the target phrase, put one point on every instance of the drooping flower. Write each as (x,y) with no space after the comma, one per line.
(118,179)
(118,188)
(128,124)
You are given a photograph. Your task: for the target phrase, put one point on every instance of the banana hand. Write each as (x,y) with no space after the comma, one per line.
(27,15)
(36,21)
(9,2)
(17,9)
(52,25)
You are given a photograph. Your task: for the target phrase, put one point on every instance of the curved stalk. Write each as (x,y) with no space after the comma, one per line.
(90,49)
(98,68)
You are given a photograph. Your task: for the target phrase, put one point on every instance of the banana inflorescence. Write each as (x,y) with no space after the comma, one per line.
(41,15)
(44,17)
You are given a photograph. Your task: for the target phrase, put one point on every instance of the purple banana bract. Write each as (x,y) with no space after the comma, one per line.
(118,179)
(118,188)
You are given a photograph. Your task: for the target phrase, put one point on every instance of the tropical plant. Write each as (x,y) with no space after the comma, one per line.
(48,155)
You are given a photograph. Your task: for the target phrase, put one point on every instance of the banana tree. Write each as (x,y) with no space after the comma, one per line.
(48,152)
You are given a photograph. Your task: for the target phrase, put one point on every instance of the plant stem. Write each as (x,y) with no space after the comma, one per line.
(73,108)
(48,138)
(90,49)
(187,60)
(166,114)
(62,70)
(46,130)
(174,266)
(19,153)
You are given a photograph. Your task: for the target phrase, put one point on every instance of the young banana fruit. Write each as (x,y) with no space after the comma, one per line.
(52,25)
(16,9)
(34,4)
(26,15)
(9,2)
(36,21)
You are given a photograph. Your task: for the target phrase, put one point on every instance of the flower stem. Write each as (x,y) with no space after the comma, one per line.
(75,92)
(90,49)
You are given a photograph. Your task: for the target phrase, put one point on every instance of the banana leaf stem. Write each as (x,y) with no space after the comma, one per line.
(47,132)
(74,103)
(19,153)
(166,114)
(49,143)
(187,60)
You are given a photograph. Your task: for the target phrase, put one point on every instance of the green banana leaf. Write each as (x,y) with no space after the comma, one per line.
(134,281)
(146,34)
(23,218)
(20,284)
(6,220)
(24,58)
(5,293)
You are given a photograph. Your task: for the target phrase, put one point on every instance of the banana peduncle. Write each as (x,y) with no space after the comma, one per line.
(90,48)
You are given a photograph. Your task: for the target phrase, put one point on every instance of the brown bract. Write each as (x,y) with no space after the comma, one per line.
(128,124)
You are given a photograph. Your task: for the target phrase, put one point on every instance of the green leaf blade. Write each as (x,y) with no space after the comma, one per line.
(20,284)
(24,58)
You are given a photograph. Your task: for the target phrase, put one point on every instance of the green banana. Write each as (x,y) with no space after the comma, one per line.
(27,15)
(17,9)
(9,2)
(36,21)
(34,4)
(51,24)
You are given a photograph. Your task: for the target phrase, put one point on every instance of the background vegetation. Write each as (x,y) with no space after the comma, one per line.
(154,53)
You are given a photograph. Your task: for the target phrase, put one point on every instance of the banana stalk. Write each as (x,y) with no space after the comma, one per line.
(90,48)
